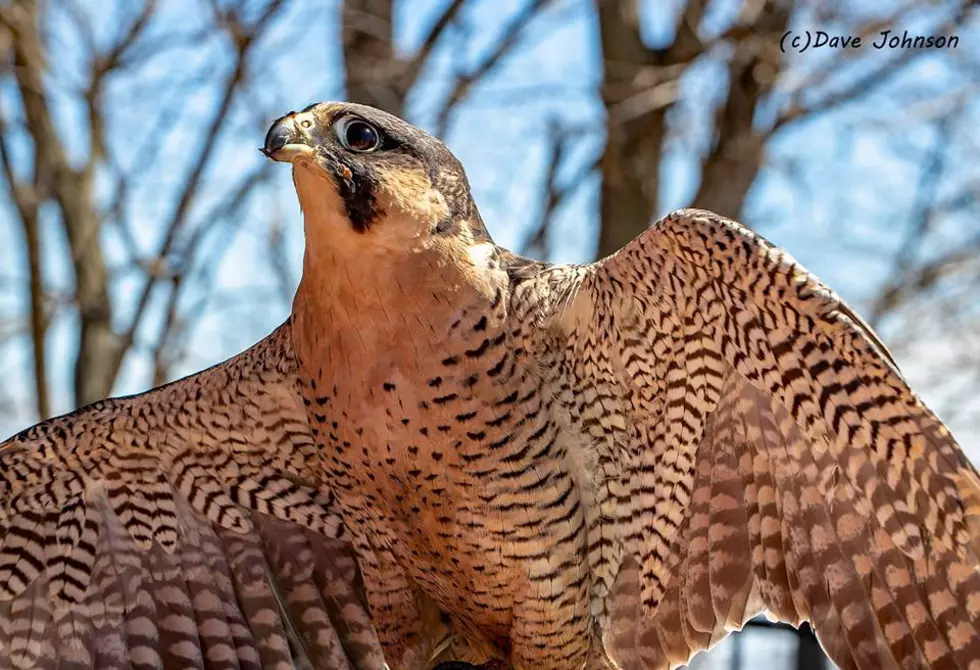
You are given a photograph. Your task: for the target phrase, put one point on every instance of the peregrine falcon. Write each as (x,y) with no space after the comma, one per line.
(532,465)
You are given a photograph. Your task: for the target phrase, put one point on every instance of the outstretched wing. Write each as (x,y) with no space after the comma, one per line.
(185,527)
(757,450)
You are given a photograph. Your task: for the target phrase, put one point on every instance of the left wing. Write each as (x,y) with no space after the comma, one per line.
(186,527)
(756,450)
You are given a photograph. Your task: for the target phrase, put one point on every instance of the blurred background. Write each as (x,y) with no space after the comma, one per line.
(143,237)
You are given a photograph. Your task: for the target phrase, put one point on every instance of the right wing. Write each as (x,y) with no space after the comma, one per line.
(186,527)
(757,450)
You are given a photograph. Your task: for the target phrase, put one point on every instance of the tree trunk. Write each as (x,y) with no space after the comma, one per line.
(638,91)
(732,165)
(631,162)
(372,70)
(94,374)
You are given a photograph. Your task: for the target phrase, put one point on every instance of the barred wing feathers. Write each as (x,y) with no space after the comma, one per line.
(771,457)
(184,527)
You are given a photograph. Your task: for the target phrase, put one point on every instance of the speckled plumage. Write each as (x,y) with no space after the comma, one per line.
(560,466)
(180,528)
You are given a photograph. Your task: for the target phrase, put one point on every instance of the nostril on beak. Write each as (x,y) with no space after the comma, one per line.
(280,134)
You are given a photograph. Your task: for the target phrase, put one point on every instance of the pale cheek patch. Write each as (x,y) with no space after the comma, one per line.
(411,192)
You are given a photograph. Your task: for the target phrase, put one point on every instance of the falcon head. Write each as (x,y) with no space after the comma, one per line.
(368,175)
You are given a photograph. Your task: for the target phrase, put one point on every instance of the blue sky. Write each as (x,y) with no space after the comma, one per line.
(837,191)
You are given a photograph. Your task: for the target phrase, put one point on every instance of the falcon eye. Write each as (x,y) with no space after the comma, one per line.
(357,135)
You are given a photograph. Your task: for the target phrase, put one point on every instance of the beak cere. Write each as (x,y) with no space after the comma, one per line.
(285,140)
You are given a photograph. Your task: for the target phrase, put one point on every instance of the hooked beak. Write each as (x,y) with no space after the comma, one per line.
(287,139)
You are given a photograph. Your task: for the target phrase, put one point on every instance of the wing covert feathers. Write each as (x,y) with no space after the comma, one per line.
(184,527)
(789,468)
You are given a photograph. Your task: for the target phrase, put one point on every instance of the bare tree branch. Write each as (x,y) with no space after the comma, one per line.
(636,135)
(72,191)
(925,277)
(730,168)
(921,218)
(537,242)
(505,44)
(421,58)
(244,39)
(372,70)
(26,202)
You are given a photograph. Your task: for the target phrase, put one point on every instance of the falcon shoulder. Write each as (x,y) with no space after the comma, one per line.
(756,450)
(183,527)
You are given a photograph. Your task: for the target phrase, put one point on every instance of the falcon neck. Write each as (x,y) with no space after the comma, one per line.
(367,303)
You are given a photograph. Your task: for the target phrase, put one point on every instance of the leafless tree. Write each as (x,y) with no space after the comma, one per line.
(53,182)
(102,196)
(767,92)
